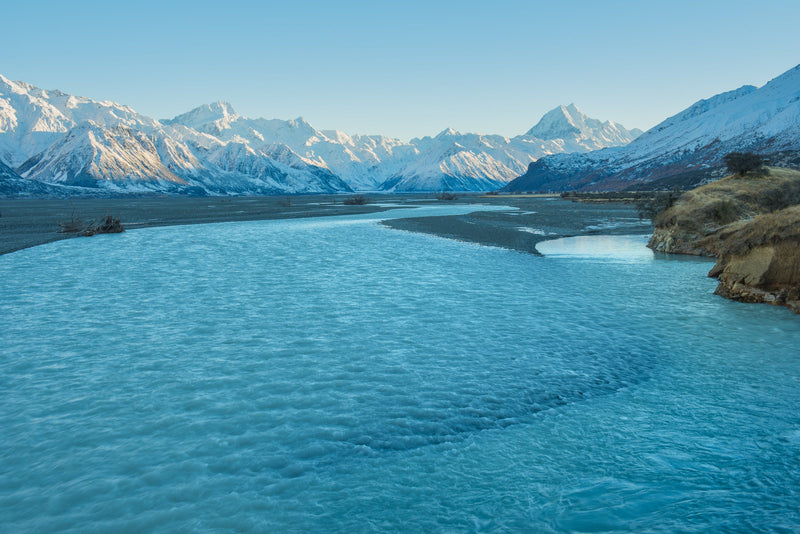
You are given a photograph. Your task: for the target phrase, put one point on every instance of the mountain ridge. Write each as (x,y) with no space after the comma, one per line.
(62,140)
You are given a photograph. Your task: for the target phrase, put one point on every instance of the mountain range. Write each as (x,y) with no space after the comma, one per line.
(686,149)
(53,143)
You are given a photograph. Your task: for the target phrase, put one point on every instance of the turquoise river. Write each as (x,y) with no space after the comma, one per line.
(334,375)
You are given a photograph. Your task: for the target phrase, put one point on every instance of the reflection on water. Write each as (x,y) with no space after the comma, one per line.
(611,247)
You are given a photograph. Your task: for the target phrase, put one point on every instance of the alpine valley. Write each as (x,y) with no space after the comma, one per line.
(687,149)
(55,144)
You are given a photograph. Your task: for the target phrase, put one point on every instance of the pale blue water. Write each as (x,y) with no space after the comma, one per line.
(332,375)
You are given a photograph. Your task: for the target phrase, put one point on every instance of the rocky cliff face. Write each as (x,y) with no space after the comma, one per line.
(766,274)
(676,240)
(761,260)
(745,223)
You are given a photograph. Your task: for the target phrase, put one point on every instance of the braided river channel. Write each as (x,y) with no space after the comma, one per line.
(335,375)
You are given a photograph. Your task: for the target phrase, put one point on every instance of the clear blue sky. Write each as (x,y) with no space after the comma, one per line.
(404,69)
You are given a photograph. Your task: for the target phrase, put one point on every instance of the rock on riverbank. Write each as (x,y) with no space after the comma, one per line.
(751,224)
(762,261)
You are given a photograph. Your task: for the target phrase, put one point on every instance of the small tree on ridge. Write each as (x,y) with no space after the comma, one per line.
(743,162)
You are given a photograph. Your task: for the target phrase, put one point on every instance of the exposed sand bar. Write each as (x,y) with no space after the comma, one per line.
(29,222)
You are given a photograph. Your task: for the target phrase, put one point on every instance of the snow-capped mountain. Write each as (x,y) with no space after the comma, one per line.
(32,119)
(451,160)
(89,153)
(573,126)
(688,146)
(267,174)
(54,138)
(64,141)
(361,161)
(455,161)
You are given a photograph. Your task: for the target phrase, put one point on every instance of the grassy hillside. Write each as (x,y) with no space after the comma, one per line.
(701,221)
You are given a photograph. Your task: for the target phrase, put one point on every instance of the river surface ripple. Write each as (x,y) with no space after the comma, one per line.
(337,375)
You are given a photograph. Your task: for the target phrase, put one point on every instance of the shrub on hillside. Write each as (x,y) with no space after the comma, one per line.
(743,162)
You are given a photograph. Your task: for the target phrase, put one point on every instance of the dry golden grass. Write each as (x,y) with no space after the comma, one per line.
(770,228)
(710,207)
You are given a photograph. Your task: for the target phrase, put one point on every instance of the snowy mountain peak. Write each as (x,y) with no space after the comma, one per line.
(570,123)
(20,88)
(6,83)
(301,124)
(447,132)
(224,109)
(559,123)
(217,115)
(32,119)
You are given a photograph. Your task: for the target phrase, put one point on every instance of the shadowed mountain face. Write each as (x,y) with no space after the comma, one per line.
(13,185)
(688,148)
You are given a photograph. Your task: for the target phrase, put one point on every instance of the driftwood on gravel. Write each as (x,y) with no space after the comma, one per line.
(104,225)
(355,200)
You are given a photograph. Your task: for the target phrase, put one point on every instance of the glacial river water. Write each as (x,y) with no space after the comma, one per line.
(333,375)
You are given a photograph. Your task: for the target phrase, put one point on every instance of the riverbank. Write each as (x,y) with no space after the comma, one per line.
(29,222)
